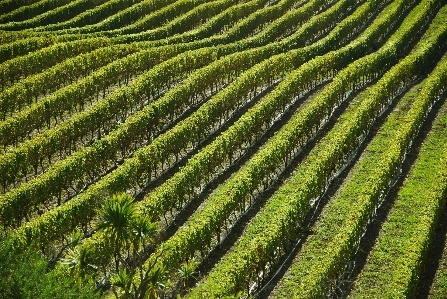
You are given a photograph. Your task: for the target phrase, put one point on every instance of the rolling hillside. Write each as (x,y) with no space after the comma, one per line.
(223,148)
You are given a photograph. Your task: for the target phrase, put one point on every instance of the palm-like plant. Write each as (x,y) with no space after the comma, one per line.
(123,280)
(78,262)
(143,230)
(186,270)
(127,229)
(117,215)
(155,282)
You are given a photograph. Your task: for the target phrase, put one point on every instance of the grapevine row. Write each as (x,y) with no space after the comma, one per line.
(124,17)
(141,123)
(61,13)
(32,63)
(65,172)
(226,51)
(181,15)
(120,178)
(245,183)
(29,89)
(370,179)
(27,11)
(244,132)
(91,16)
(55,105)
(285,23)
(14,70)
(275,225)
(200,168)
(184,22)
(9,5)
(230,15)
(395,263)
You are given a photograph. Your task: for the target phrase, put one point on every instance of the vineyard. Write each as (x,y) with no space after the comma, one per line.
(223,149)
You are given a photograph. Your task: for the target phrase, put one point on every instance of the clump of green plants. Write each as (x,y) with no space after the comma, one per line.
(128,234)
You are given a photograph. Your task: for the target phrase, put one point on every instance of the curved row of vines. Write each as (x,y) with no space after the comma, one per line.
(222,149)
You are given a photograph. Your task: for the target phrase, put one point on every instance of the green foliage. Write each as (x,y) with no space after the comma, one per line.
(146,160)
(36,61)
(7,6)
(126,13)
(25,274)
(217,55)
(201,228)
(394,265)
(143,230)
(268,234)
(121,223)
(324,255)
(96,14)
(87,161)
(126,234)
(123,280)
(116,216)
(156,282)
(77,261)
(29,11)
(29,17)
(28,90)
(438,289)
(187,270)
(18,160)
